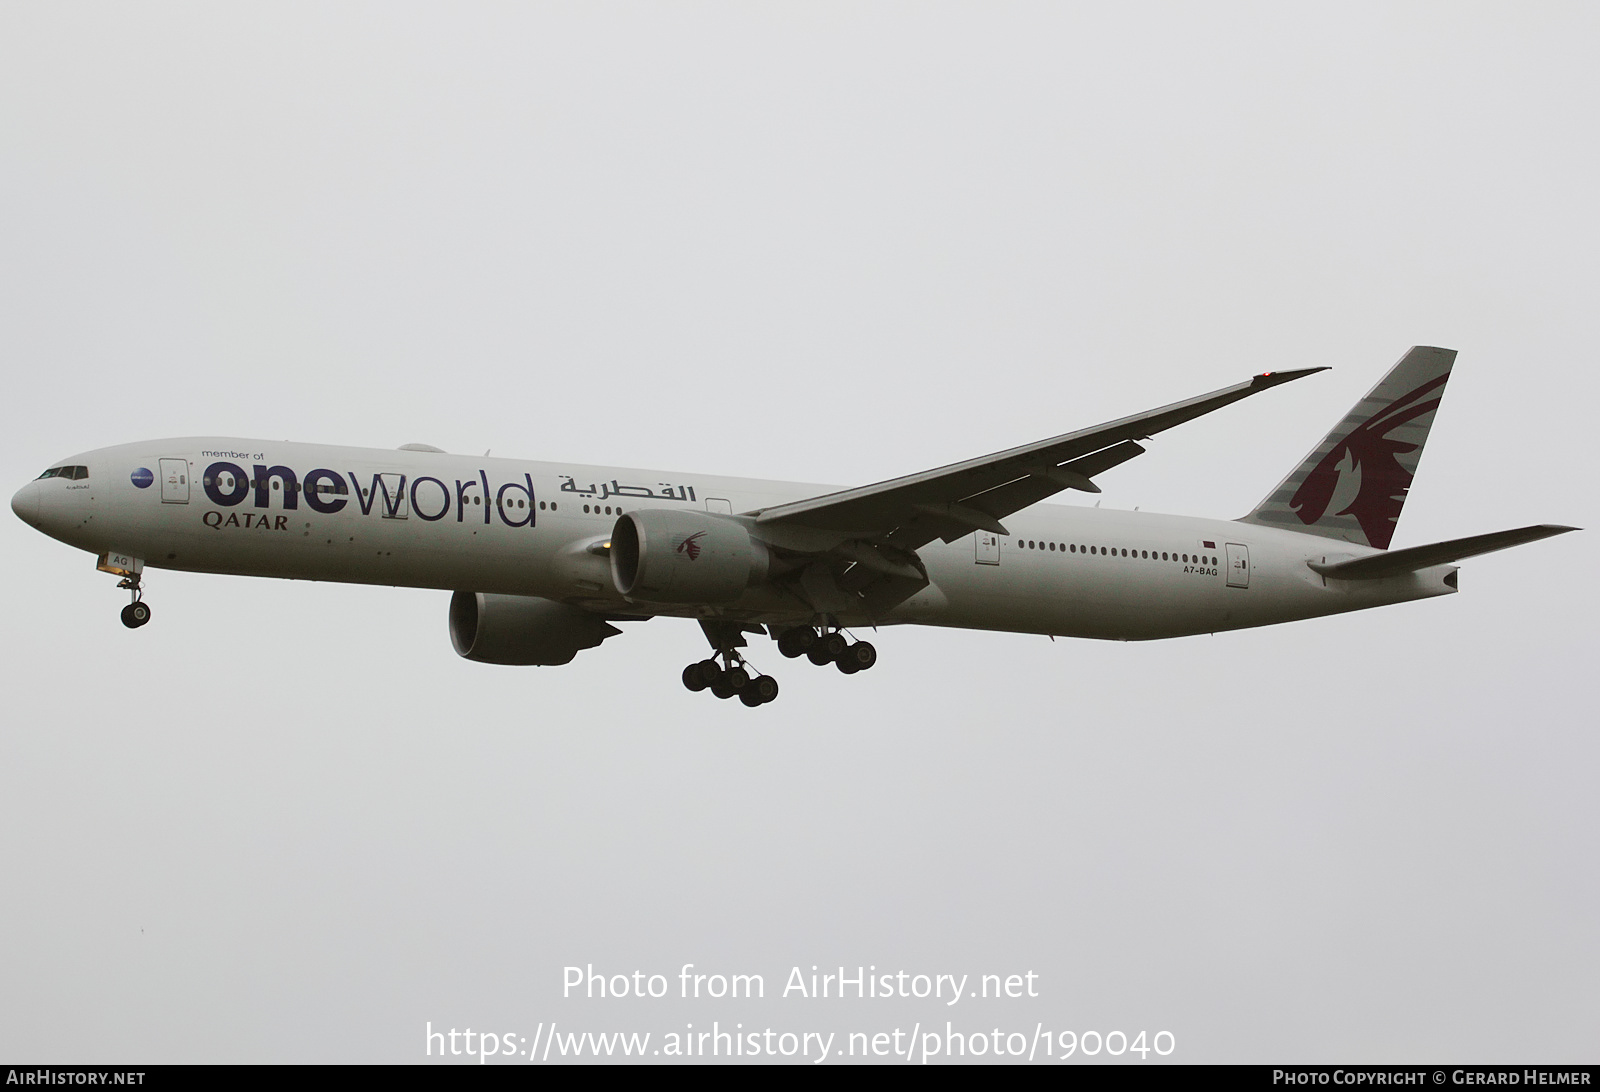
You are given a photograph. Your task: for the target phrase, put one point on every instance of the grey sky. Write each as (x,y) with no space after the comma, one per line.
(816,242)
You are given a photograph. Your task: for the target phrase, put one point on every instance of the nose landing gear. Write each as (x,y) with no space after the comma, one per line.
(136,613)
(130,568)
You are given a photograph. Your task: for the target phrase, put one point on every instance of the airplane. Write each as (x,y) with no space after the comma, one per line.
(542,558)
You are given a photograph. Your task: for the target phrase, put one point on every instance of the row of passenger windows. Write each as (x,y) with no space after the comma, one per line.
(1116,551)
(340,490)
(502,502)
(228,481)
(74,473)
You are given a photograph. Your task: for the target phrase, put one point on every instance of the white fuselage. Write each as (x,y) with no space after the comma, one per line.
(435,520)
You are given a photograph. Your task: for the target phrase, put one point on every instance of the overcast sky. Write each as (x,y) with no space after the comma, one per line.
(819,242)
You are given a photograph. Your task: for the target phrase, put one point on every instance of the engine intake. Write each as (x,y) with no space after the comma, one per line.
(665,556)
(522,630)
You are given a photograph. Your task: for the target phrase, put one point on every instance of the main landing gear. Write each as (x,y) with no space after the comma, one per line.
(136,613)
(727,674)
(828,647)
(734,678)
(732,675)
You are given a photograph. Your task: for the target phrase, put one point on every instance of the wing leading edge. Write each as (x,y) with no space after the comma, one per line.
(952,501)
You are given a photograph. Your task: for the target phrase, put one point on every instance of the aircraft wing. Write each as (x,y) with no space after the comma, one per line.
(955,500)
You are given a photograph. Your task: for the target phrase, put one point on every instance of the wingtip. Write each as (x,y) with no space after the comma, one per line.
(1272,379)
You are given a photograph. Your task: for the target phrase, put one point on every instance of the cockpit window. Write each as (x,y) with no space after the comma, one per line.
(74,473)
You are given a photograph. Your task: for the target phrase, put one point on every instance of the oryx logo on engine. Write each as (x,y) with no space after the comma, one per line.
(689,545)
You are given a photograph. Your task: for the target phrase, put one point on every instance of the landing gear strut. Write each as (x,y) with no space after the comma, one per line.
(136,613)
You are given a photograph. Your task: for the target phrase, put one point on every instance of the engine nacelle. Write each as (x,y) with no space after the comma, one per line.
(522,629)
(666,556)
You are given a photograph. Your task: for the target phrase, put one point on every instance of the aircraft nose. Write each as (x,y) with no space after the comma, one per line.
(26,504)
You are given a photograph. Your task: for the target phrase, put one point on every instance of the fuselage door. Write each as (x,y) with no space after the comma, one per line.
(174,481)
(392,501)
(1238,565)
(987,545)
(717,504)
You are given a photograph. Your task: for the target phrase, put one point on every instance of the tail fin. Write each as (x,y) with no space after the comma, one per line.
(1353,484)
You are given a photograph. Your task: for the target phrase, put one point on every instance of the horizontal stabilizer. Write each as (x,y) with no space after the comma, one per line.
(1409,560)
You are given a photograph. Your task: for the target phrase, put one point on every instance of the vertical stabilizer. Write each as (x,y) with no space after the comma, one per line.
(1353,484)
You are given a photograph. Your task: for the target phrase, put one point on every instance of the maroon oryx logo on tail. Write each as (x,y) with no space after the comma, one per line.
(690,545)
(1368,454)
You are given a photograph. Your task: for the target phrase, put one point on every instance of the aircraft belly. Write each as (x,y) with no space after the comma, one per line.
(1075,596)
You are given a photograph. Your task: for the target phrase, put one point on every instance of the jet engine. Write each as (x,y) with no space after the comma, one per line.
(665,556)
(522,629)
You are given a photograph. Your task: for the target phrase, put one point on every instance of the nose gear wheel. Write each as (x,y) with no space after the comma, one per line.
(136,613)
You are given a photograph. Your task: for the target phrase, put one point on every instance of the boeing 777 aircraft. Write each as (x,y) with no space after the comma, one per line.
(544,557)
